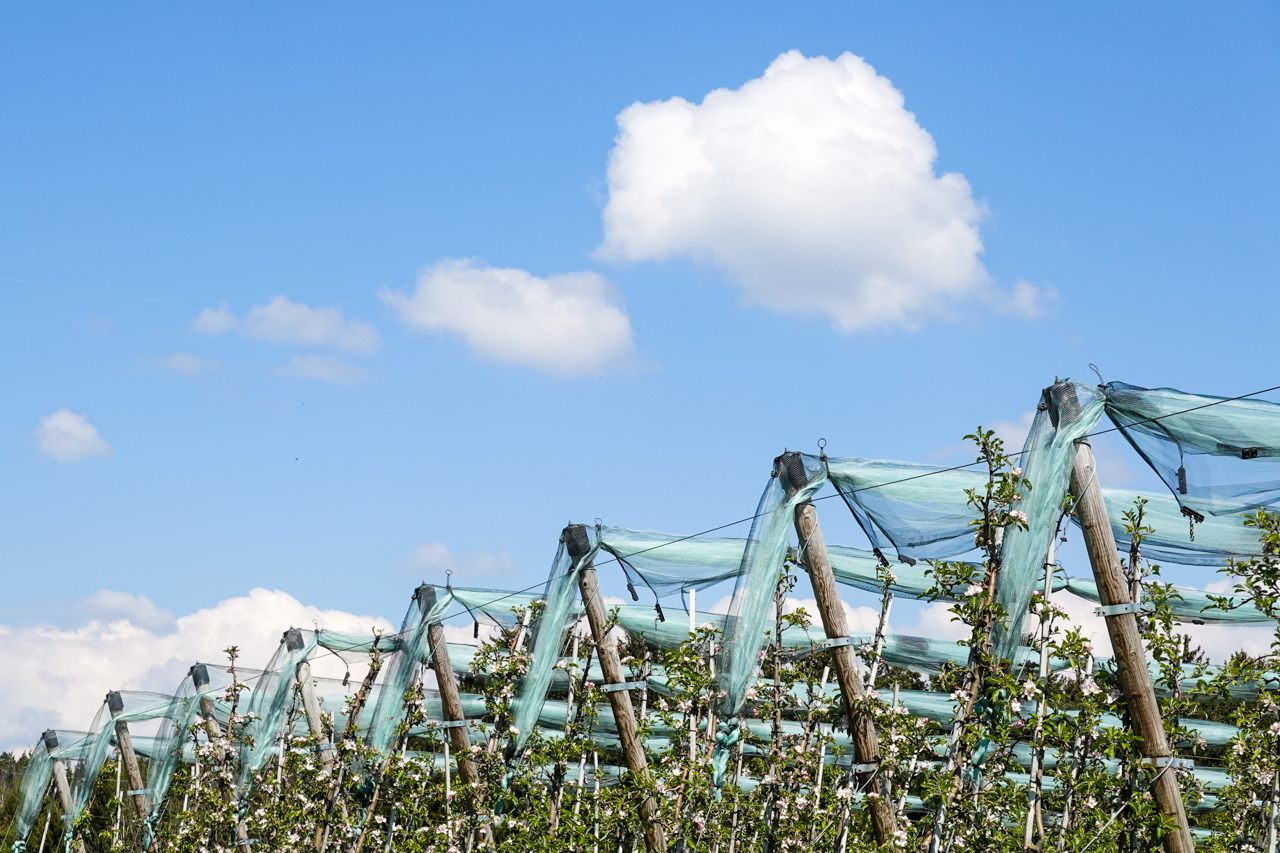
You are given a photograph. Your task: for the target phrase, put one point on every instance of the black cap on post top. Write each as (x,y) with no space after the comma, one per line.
(576,541)
(426,597)
(199,675)
(115,703)
(790,467)
(293,640)
(1064,403)
(50,738)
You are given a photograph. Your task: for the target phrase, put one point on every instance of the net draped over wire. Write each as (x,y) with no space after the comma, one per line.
(1218,458)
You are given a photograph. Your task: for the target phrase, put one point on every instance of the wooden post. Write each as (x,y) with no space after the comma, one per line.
(64,787)
(578,546)
(790,466)
(200,681)
(310,705)
(124,744)
(450,700)
(1126,642)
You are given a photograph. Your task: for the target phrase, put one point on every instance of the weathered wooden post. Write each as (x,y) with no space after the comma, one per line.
(790,466)
(200,681)
(124,744)
(450,699)
(310,705)
(578,546)
(1122,625)
(64,787)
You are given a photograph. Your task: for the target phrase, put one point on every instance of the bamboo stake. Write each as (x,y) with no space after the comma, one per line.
(886,604)
(115,828)
(1035,787)
(48,814)
(579,546)
(861,725)
(1273,824)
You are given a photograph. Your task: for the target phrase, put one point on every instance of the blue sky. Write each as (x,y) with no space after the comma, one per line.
(158,162)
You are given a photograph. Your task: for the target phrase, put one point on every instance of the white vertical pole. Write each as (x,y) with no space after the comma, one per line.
(1035,785)
(115,830)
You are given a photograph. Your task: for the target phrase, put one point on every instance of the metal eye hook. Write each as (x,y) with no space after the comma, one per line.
(1096,372)
(448,579)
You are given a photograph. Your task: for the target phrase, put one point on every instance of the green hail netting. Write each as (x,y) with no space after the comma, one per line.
(795,479)
(1217,456)
(548,636)
(922,511)
(35,781)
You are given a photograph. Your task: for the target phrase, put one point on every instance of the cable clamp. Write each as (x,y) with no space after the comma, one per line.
(136,793)
(1121,609)
(447,724)
(837,642)
(642,684)
(871,767)
(1163,761)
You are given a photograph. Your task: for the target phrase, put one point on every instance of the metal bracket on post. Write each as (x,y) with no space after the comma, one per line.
(447,724)
(1121,609)
(642,684)
(870,767)
(837,642)
(1163,761)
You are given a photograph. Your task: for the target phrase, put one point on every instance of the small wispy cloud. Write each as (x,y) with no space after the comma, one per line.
(1029,300)
(324,368)
(186,364)
(434,560)
(65,436)
(283,321)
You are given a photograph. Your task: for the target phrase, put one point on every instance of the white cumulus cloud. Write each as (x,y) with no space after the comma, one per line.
(568,323)
(812,186)
(56,676)
(323,368)
(65,436)
(283,321)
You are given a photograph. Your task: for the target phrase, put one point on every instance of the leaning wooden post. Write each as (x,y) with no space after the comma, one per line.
(124,744)
(579,545)
(310,705)
(1122,627)
(64,787)
(450,699)
(861,724)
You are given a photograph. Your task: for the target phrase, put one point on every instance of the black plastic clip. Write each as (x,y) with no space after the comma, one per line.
(631,589)
(884,563)
(475,631)
(1249,452)
(1182,481)
(658,607)
(903,558)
